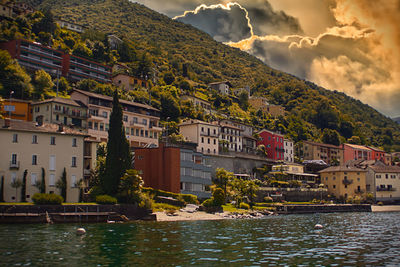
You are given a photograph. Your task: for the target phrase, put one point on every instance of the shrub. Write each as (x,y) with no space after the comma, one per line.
(106,199)
(187,198)
(208,203)
(219,197)
(95,191)
(380,203)
(244,206)
(47,199)
(268,200)
(146,201)
(164,206)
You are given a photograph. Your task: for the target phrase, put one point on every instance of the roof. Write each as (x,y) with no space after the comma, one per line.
(226,82)
(342,168)
(264,130)
(358,147)
(28,126)
(198,98)
(227,125)
(8,100)
(315,161)
(109,98)
(376,149)
(193,121)
(60,100)
(381,168)
(321,144)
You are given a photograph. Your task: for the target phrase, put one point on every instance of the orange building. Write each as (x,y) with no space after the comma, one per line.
(20,109)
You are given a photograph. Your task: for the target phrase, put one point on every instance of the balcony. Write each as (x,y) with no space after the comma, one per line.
(138,124)
(347,181)
(72,114)
(39,50)
(209,134)
(14,165)
(156,128)
(86,172)
(359,191)
(387,189)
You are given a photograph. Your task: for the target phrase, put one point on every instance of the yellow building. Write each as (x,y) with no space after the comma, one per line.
(294,171)
(261,103)
(204,134)
(31,147)
(20,109)
(128,82)
(344,181)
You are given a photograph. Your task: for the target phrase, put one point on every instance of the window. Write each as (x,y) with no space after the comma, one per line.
(74,142)
(52,180)
(73,180)
(137,132)
(57,117)
(34,139)
(215,141)
(141,133)
(378,176)
(146,133)
(13,177)
(34,159)
(125,118)
(52,163)
(73,162)
(105,114)
(15,138)
(14,159)
(144,122)
(52,140)
(334,186)
(90,125)
(386,176)
(202,139)
(33,178)
(208,140)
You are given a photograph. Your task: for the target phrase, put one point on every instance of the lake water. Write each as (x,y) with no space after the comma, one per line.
(347,239)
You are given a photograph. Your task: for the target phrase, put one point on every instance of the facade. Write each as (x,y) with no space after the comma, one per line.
(6,10)
(379,154)
(289,150)
(293,171)
(29,146)
(141,121)
(202,133)
(175,169)
(20,109)
(273,143)
(128,82)
(61,110)
(261,103)
(197,101)
(9,9)
(221,87)
(249,142)
(384,182)
(230,137)
(35,56)
(330,154)
(344,181)
(356,152)
(71,26)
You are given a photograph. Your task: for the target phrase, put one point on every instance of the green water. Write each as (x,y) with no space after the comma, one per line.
(347,239)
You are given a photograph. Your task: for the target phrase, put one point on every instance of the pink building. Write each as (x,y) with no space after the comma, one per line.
(355,152)
(274,144)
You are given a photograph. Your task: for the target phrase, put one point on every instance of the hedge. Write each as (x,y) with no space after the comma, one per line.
(106,199)
(47,199)
(187,198)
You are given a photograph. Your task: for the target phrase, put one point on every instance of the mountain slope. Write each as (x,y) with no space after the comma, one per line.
(172,43)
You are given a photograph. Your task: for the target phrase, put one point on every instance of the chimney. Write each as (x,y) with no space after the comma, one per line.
(6,123)
(60,128)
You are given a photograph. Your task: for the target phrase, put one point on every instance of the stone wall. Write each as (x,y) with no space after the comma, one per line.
(237,162)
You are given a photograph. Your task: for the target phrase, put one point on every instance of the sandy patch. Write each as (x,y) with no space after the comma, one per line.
(186,216)
(385,208)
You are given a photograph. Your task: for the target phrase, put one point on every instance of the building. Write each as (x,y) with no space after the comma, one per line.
(30,146)
(288,145)
(221,87)
(114,41)
(273,143)
(249,142)
(9,9)
(293,171)
(34,56)
(344,181)
(261,103)
(355,152)
(379,154)
(175,169)
(330,154)
(237,91)
(70,26)
(197,101)
(230,137)
(384,182)
(202,133)
(128,82)
(141,121)
(6,10)
(61,110)
(20,109)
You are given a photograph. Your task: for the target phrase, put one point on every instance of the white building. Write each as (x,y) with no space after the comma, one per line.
(71,26)
(222,87)
(288,146)
(204,134)
(384,182)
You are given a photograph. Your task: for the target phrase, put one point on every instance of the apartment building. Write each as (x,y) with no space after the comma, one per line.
(61,110)
(230,137)
(18,108)
(197,101)
(384,182)
(249,142)
(356,152)
(261,103)
(288,145)
(344,181)
(379,154)
(330,154)
(128,82)
(34,56)
(30,146)
(294,171)
(221,87)
(70,26)
(273,143)
(141,121)
(204,134)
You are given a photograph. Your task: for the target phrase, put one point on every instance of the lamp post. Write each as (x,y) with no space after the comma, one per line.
(9,112)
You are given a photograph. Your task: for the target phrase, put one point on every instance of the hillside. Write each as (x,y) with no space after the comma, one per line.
(173,45)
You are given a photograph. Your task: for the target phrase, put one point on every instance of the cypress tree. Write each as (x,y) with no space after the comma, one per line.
(23,188)
(118,158)
(2,189)
(64,185)
(43,183)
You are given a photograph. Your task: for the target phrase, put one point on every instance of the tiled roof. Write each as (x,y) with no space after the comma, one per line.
(358,147)
(193,121)
(28,126)
(60,100)
(390,169)
(342,168)
(321,144)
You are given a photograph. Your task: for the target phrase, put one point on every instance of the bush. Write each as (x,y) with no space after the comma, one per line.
(106,199)
(380,203)
(164,206)
(244,206)
(187,198)
(268,200)
(47,199)
(146,201)
(219,197)
(94,192)
(208,203)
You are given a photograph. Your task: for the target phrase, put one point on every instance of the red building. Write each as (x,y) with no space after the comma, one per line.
(35,56)
(274,144)
(356,152)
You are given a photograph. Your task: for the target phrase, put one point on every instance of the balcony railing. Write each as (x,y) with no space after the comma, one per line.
(209,134)
(347,181)
(86,172)
(156,128)
(72,114)
(132,123)
(14,165)
(389,189)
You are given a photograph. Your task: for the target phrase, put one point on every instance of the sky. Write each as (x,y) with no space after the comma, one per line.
(352,46)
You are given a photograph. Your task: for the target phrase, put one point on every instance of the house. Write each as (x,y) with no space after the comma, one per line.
(249,142)
(294,171)
(197,101)
(22,9)
(128,82)
(344,181)
(18,108)
(175,169)
(273,143)
(221,87)
(384,182)
(6,10)
(34,56)
(355,152)
(379,154)
(40,149)
(70,26)
(230,137)
(261,103)
(61,110)
(141,121)
(288,145)
(330,154)
(202,133)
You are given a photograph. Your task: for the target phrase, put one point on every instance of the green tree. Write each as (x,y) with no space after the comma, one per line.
(87,85)
(62,185)
(118,158)
(43,182)
(23,186)
(46,22)
(243,99)
(81,50)
(126,52)
(131,186)
(43,83)
(262,151)
(223,178)
(356,140)
(16,184)
(326,116)
(330,137)
(169,78)
(63,85)
(169,107)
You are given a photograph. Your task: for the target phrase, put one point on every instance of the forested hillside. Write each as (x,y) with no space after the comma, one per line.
(187,54)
